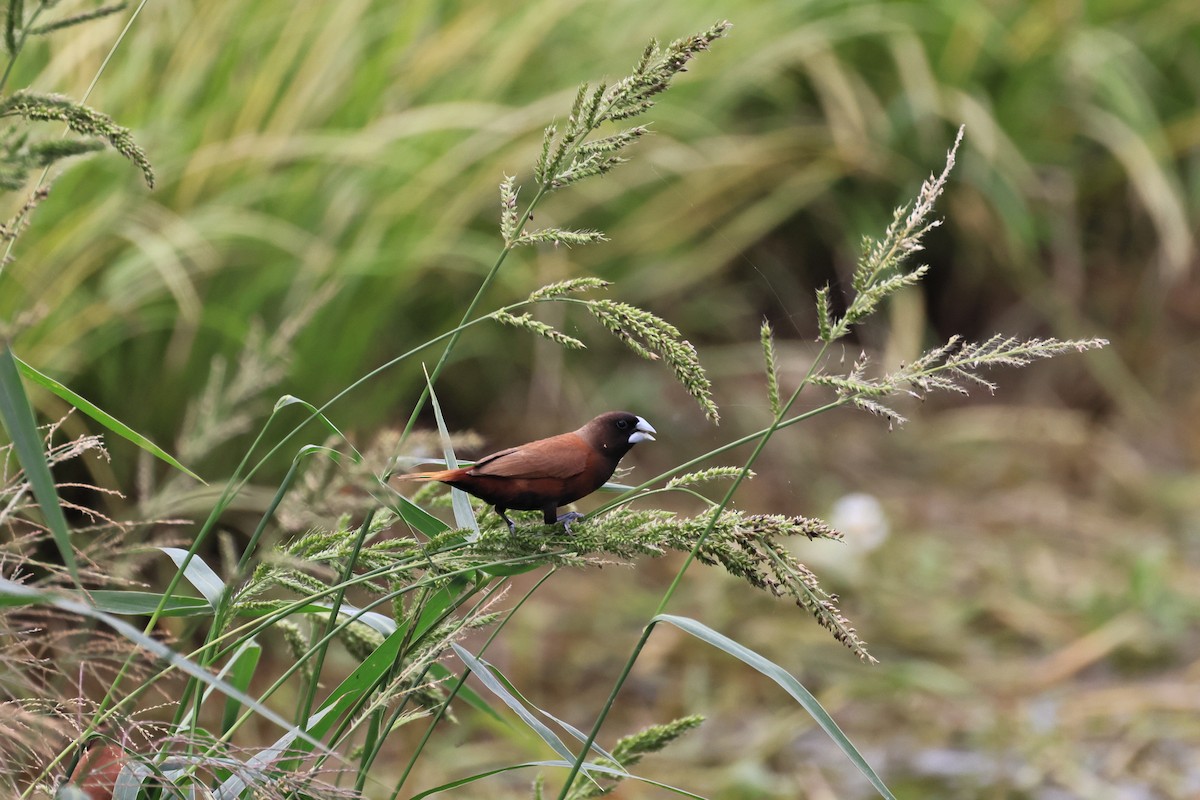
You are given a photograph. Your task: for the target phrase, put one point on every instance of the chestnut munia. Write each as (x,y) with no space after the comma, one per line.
(548,473)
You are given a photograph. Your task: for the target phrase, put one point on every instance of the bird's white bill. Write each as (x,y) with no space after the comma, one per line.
(641,432)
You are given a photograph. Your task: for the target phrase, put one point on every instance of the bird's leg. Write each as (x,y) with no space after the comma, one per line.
(511,527)
(567,519)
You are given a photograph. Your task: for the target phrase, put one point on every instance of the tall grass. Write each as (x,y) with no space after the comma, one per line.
(354,147)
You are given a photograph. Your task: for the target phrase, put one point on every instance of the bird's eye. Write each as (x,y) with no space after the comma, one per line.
(622,424)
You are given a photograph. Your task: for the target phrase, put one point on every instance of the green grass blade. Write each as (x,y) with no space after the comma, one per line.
(568,727)
(483,672)
(17,417)
(789,684)
(229,672)
(508,570)
(464,515)
(467,694)
(291,400)
(364,677)
(244,663)
(199,575)
(103,417)
(418,517)
(130,603)
(380,623)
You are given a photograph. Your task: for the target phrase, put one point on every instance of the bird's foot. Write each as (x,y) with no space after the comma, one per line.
(567,518)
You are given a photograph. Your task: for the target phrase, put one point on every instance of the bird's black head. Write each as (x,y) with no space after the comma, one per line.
(615,432)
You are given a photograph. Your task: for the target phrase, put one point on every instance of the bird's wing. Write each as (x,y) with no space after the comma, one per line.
(563,456)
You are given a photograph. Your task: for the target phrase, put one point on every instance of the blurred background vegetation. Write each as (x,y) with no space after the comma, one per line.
(1024,565)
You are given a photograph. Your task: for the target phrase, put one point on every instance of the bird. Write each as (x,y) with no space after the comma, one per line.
(548,473)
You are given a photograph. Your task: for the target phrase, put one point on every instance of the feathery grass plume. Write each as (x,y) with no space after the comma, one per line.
(652,337)
(862,391)
(570,286)
(706,475)
(876,276)
(361,640)
(304,563)
(45,654)
(628,752)
(824,315)
(527,322)
(11,229)
(14,18)
(654,72)
(767,337)
(748,546)
(568,159)
(232,399)
(558,236)
(79,118)
(952,367)
(509,216)
(297,643)
(19,156)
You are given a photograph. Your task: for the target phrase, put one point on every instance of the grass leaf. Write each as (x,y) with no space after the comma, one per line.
(467,694)
(464,515)
(103,417)
(198,574)
(243,665)
(17,417)
(131,603)
(789,684)
(483,672)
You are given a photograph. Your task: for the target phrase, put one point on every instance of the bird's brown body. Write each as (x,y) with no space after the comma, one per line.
(548,473)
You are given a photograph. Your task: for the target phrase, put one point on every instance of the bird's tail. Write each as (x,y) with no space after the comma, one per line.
(440,475)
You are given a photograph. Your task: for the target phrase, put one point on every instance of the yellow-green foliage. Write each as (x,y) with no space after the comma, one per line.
(358,145)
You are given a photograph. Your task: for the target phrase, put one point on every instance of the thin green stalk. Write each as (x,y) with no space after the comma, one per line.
(417,609)
(462,679)
(324,641)
(304,710)
(373,748)
(111,51)
(222,503)
(349,723)
(475,301)
(12,57)
(300,662)
(763,438)
(206,654)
